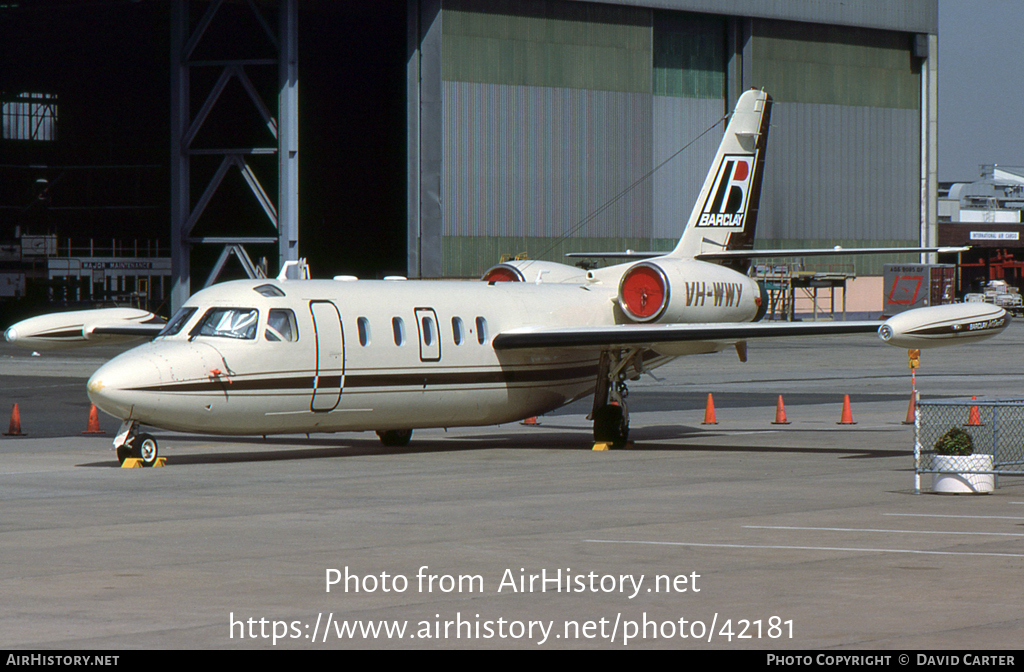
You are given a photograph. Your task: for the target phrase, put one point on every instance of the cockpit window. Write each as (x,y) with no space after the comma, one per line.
(178,322)
(281,326)
(237,323)
(269,290)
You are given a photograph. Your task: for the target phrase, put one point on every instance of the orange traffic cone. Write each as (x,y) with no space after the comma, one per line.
(847,417)
(532,420)
(780,413)
(15,429)
(974,418)
(709,412)
(911,409)
(94,422)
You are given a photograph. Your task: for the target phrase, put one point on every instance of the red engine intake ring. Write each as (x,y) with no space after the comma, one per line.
(502,273)
(644,292)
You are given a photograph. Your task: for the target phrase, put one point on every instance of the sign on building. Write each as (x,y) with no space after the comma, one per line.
(917,285)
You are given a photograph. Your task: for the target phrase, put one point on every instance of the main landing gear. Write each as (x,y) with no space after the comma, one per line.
(395,437)
(610,413)
(129,442)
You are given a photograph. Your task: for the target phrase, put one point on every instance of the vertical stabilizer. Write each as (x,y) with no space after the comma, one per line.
(725,214)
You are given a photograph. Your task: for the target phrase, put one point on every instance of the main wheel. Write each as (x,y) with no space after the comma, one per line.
(611,425)
(395,437)
(146,448)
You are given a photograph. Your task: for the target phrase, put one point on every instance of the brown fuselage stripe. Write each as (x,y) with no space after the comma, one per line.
(360,380)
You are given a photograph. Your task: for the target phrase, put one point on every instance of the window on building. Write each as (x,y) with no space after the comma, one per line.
(29,116)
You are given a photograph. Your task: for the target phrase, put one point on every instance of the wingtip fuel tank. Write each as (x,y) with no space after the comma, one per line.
(83,327)
(937,326)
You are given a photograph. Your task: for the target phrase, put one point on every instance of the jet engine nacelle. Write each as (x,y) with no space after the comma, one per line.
(83,327)
(936,326)
(687,291)
(536,271)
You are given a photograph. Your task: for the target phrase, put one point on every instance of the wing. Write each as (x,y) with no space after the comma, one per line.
(626,335)
(84,327)
(929,327)
(134,331)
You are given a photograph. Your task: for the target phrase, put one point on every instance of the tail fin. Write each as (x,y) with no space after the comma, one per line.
(725,214)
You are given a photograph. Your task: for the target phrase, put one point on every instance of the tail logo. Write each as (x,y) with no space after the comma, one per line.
(727,202)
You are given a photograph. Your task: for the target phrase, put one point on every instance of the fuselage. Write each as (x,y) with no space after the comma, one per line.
(365,355)
(267,356)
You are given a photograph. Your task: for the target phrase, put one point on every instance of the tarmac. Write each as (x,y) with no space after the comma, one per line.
(743,535)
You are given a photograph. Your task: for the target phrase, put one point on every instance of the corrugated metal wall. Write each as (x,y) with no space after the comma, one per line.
(688,52)
(550,109)
(533,161)
(677,121)
(689,97)
(840,171)
(547,43)
(807,63)
(844,157)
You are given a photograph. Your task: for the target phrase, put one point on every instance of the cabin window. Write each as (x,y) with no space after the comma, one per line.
(428,330)
(481,330)
(179,321)
(457,330)
(398,326)
(281,326)
(364,331)
(237,323)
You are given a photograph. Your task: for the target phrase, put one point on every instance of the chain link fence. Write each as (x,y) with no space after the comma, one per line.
(996,431)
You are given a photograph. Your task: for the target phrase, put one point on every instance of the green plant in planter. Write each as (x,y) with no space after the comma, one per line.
(954,442)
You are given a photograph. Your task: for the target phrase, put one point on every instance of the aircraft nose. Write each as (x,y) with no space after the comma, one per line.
(114,386)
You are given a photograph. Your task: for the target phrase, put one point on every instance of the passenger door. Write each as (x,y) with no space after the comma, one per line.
(329,376)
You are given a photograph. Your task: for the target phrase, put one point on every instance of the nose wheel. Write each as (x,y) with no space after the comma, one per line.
(129,442)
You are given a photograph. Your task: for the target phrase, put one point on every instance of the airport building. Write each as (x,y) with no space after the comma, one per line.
(985,214)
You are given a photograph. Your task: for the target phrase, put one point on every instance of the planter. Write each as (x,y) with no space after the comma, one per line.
(962,481)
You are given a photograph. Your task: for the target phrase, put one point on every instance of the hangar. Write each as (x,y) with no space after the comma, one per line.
(546,126)
(435,137)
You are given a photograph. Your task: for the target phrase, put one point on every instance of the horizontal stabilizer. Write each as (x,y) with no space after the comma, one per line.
(628,254)
(823,252)
(768,254)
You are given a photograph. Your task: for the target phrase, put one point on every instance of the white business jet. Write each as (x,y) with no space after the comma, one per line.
(271,356)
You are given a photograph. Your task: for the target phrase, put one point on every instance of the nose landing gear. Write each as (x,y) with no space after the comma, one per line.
(129,443)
